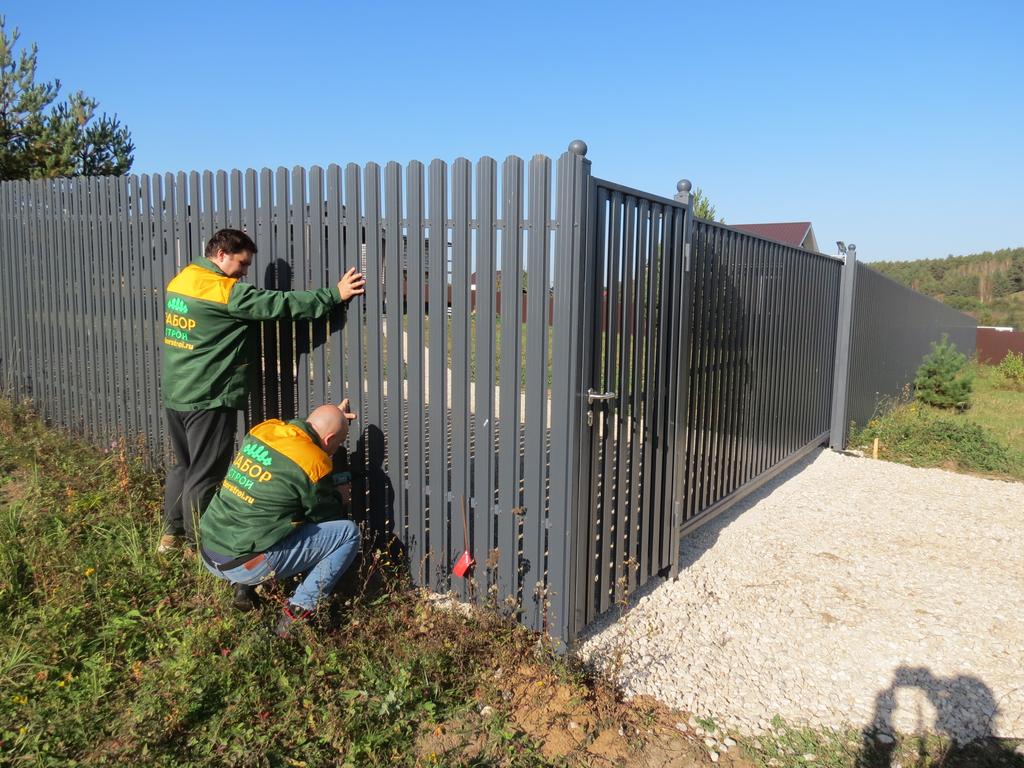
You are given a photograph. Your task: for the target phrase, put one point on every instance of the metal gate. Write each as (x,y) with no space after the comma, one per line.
(633,432)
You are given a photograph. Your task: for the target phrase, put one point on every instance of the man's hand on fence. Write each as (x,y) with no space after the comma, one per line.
(351,284)
(346,410)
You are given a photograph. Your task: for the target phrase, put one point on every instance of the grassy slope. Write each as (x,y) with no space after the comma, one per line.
(999,410)
(111,656)
(987,438)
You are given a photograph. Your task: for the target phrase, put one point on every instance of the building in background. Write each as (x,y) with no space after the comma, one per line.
(799,234)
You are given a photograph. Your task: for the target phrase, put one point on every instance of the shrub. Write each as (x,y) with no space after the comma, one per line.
(941,380)
(922,437)
(1011,371)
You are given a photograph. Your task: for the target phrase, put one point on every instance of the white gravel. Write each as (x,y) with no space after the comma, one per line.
(847,592)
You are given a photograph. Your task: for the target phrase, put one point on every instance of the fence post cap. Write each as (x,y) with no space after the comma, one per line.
(684,186)
(578,147)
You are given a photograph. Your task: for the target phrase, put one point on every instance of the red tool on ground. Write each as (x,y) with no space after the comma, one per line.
(466,562)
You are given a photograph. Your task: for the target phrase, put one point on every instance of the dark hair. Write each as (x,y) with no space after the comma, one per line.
(229,241)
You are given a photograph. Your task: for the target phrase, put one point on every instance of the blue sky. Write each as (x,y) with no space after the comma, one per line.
(897,126)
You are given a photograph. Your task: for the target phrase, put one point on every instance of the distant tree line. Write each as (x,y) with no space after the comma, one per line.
(988,285)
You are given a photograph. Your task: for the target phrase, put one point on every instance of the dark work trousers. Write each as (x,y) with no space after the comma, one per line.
(202,442)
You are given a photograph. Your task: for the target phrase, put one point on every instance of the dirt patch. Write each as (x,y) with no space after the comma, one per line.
(14,484)
(528,710)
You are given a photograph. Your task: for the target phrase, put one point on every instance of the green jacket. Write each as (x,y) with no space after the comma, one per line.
(209,350)
(280,478)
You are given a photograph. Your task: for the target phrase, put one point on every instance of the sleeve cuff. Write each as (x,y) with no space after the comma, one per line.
(335,294)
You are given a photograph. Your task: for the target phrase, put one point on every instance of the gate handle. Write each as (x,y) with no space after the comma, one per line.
(593,396)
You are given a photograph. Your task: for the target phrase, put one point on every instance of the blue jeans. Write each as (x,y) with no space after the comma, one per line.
(326,550)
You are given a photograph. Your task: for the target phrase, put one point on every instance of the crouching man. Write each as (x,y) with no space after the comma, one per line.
(277,513)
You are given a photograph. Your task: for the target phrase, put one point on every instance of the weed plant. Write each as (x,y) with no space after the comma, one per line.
(1011,371)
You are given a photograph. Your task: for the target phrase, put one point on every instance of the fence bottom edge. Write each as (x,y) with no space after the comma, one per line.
(748,488)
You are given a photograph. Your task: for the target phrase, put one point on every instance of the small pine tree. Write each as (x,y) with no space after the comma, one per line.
(941,380)
(703,207)
(42,138)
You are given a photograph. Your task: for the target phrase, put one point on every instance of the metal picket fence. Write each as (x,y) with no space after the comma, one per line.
(761,362)
(459,409)
(656,369)
(893,330)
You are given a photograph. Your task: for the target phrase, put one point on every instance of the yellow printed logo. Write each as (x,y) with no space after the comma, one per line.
(258,453)
(179,321)
(249,470)
(238,492)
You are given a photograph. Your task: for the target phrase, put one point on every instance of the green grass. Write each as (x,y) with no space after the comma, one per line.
(785,745)
(111,654)
(997,408)
(987,438)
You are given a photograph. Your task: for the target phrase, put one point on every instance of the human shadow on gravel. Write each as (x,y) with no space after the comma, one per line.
(964,711)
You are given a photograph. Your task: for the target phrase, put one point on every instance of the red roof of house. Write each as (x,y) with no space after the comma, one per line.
(791,233)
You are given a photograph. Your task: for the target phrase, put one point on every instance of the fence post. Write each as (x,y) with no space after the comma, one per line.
(568,496)
(684,195)
(844,333)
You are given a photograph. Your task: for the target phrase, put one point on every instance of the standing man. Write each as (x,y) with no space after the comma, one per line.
(278,513)
(209,359)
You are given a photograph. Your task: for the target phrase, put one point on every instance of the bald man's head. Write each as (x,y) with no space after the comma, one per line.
(330,424)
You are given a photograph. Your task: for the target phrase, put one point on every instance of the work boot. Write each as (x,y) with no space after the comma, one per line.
(170,542)
(245,598)
(291,615)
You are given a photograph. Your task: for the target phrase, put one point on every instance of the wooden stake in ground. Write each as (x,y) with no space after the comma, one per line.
(874,449)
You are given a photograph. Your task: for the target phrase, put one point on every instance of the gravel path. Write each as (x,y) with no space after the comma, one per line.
(846,592)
